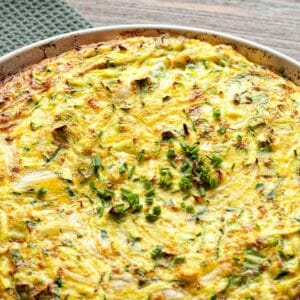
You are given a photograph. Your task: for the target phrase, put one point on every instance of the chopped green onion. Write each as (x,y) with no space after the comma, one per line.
(100,211)
(53,155)
(221,63)
(131,172)
(41,192)
(153,216)
(216,113)
(259,186)
(213,183)
(147,185)
(123,169)
(96,164)
(150,192)
(156,252)
(118,211)
(166,98)
(171,154)
(149,200)
(190,209)
(216,161)
(179,260)
(190,151)
(202,191)
(164,180)
(185,182)
(70,192)
(295,153)
(58,282)
(222,129)
(105,194)
(141,155)
(185,166)
(239,137)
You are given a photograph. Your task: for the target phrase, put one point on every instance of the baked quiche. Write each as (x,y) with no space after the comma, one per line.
(150,168)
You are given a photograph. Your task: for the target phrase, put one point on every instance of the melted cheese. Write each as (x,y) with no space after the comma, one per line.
(101,196)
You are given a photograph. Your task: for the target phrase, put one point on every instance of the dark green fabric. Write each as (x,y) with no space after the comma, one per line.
(23,22)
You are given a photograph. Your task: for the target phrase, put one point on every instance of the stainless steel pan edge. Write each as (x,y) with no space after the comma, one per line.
(31,54)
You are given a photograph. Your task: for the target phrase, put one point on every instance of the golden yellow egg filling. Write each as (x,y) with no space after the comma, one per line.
(153,168)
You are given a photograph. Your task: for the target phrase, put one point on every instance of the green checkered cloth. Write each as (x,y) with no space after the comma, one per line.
(23,22)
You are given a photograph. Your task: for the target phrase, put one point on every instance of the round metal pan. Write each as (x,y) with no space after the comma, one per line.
(31,54)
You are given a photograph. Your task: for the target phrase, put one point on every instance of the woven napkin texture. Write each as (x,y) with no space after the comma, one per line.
(23,22)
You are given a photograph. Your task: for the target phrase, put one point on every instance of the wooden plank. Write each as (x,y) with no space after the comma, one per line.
(274,23)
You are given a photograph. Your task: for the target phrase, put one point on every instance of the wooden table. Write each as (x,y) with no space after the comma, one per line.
(274,23)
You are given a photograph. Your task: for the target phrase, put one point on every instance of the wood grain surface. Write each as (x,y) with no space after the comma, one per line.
(274,23)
